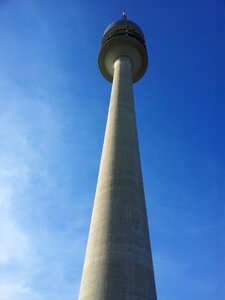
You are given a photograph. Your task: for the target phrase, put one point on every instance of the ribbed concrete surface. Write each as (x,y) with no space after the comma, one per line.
(118,263)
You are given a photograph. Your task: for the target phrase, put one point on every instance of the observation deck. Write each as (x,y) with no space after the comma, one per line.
(123,38)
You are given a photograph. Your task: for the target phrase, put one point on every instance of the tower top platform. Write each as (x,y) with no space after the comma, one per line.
(123,38)
(124,23)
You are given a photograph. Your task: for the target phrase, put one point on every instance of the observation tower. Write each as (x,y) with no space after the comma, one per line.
(118,262)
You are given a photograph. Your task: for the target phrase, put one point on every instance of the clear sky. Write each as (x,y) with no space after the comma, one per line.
(53,109)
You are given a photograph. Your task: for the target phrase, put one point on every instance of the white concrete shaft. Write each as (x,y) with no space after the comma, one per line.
(118,262)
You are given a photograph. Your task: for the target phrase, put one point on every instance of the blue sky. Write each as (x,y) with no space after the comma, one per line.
(53,109)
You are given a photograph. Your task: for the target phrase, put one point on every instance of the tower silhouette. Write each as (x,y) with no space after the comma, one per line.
(118,262)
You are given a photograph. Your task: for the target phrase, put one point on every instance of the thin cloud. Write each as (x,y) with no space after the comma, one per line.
(36,246)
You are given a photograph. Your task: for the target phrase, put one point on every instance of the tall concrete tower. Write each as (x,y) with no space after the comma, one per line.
(118,263)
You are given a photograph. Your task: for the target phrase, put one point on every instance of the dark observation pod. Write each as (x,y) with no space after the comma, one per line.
(126,38)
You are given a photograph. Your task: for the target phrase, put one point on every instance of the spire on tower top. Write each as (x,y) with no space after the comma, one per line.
(124,17)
